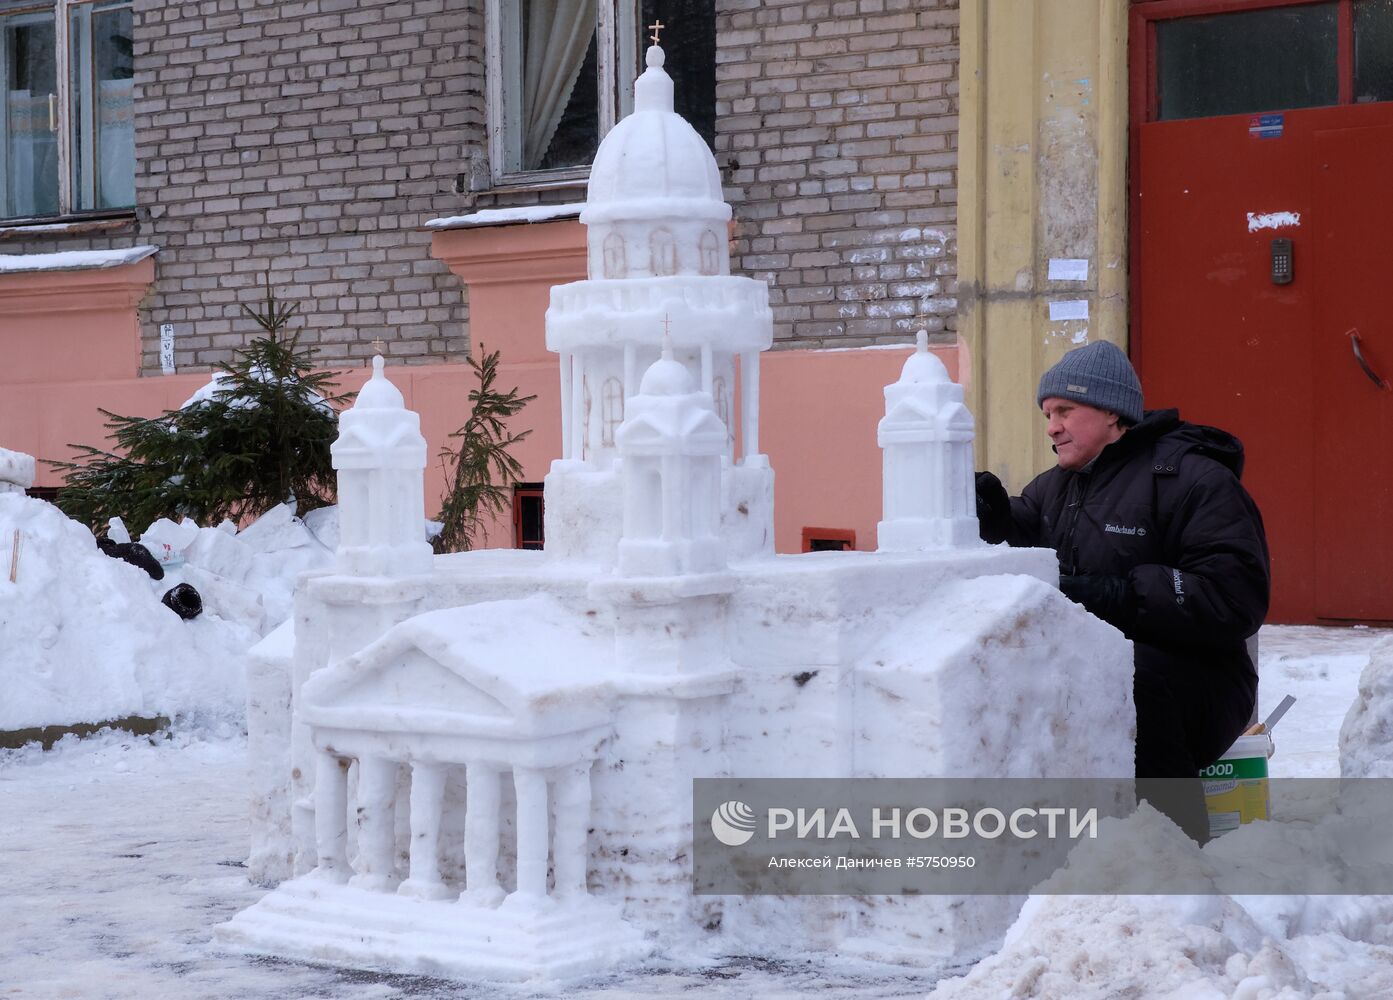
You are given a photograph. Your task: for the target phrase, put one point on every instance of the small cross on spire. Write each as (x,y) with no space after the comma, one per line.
(667,336)
(655,27)
(379,345)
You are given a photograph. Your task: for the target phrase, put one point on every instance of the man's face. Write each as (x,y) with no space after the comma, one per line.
(1079,431)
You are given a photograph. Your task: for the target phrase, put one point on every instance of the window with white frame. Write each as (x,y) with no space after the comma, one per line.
(68,126)
(561,73)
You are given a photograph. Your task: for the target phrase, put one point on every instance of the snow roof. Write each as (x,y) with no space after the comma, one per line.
(527,667)
(73,260)
(508,216)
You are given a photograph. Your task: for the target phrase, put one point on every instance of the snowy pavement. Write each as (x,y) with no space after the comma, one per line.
(117,857)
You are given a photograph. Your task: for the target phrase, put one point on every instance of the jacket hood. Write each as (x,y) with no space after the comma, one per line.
(1173,437)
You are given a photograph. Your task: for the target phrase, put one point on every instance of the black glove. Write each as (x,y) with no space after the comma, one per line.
(993,509)
(1108,597)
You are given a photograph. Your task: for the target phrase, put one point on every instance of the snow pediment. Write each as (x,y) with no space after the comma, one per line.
(367,443)
(923,418)
(672,426)
(509,669)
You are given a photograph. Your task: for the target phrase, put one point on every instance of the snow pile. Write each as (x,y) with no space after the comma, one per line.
(247,576)
(84,637)
(16,471)
(1366,738)
(1186,947)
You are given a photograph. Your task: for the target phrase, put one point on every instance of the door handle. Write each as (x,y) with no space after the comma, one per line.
(1382,383)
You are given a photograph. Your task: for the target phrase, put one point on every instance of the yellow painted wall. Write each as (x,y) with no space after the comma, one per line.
(1042,174)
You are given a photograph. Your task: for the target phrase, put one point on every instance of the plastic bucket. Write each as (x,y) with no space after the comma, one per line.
(1235,785)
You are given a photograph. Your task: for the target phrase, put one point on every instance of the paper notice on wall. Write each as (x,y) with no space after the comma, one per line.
(167,348)
(1068,309)
(1068,269)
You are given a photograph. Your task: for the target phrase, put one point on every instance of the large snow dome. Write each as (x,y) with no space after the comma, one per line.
(654,153)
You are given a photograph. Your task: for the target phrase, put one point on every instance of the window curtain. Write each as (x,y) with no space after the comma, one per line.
(116,143)
(558,34)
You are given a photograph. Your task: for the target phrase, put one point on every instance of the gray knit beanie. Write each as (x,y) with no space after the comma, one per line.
(1100,376)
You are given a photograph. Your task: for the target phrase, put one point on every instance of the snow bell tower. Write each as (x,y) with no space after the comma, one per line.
(380,457)
(926,434)
(657,236)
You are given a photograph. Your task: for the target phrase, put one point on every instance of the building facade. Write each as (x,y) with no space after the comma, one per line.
(1015,177)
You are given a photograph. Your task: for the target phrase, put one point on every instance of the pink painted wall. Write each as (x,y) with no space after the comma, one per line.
(818,410)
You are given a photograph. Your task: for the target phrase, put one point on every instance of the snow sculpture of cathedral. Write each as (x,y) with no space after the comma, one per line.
(481,765)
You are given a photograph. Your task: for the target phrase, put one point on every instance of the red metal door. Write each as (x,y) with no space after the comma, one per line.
(1353,404)
(1213,334)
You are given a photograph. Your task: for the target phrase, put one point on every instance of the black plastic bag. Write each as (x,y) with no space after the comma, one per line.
(133,553)
(184,601)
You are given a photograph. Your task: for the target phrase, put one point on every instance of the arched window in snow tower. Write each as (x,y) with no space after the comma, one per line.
(611,410)
(615,264)
(710,253)
(664,252)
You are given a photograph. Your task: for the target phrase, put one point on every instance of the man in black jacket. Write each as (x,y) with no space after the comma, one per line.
(1156,536)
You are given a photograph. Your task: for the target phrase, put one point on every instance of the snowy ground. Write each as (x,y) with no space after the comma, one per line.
(117,858)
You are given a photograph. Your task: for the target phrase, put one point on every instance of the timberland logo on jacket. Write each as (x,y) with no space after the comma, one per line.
(1179,586)
(1122,529)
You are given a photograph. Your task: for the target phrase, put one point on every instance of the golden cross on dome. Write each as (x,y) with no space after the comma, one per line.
(667,323)
(656,27)
(379,345)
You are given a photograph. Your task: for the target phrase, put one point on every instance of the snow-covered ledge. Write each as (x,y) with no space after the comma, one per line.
(509,259)
(73,312)
(516,215)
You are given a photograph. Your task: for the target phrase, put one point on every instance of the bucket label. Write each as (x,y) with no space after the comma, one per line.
(1237,769)
(1235,792)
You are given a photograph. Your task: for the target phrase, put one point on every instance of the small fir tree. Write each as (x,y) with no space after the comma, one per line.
(479,472)
(259,438)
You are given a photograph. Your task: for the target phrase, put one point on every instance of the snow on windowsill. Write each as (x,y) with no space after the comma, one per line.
(508,216)
(73,260)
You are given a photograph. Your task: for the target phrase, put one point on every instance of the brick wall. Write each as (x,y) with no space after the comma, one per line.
(309,139)
(837,126)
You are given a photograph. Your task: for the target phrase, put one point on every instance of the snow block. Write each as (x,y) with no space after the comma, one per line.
(1366,738)
(275,530)
(268,748)
(226,599)
(167,540)
(317,921)
(219,553)
(1043,688)
(16,471)
(323,523)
